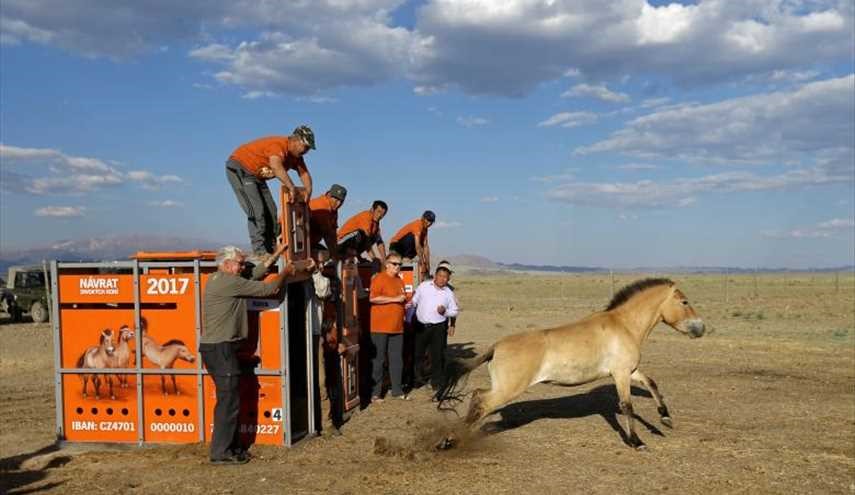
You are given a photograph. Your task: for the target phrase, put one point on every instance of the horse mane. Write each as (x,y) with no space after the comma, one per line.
(173,342)
(634,288)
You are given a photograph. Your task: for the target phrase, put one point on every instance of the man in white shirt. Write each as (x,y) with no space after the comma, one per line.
(435,304)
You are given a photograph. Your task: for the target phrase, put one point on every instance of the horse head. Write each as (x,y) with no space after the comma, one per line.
(107,342)
(679,314)
(185,354)
(125,334)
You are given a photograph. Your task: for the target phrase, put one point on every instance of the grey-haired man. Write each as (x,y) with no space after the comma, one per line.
(225,327)
(249,168)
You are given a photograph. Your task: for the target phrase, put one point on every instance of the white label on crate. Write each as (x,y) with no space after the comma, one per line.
(102,426)
(173,427)
(262,304)
(99,286)
(276,414)
(260,429)
(167,286)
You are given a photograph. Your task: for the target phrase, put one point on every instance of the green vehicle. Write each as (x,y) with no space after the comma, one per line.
(25,291)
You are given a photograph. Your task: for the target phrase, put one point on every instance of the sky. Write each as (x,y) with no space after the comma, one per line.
(613,134)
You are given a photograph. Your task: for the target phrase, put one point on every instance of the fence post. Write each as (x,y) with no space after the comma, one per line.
(726,294)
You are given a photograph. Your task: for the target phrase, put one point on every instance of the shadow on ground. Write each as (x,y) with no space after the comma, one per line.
(16,479)
(602,401)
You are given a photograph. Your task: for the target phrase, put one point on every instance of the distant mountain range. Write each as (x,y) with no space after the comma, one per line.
(121,247)
(99,249)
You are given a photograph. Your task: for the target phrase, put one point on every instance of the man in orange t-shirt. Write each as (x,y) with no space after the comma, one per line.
(387,299)
(249,168)
(323,219)
(361,232)
(412,241)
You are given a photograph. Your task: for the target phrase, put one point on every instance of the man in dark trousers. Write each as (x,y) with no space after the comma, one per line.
(225,328)
(249,168)
(434,304)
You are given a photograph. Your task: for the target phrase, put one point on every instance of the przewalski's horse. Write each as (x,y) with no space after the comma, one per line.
(121,357)
(165,356)
(98,356)
(606,343)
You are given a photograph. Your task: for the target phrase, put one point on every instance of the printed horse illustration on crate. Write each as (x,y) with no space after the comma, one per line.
(606,343)
(98,356)
(164,356)
(121,357)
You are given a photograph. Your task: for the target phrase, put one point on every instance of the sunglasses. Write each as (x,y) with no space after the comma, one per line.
(394,263)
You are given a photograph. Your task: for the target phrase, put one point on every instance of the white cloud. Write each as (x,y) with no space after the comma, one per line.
(655,102)
(684,192)
(472,121)
(600,92)
(470,44)
(570,119)
(446,225)
(254,95)
(638,166)
(60,211)
(490,199)
(151,181)
(167,203)
(318,100)
(828,228)
(566,176)
(65,174)
(780,127)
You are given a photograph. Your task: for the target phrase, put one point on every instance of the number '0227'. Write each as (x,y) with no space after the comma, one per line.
(158,286)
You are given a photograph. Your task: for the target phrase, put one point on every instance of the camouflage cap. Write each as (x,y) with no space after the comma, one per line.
(306,134)
(338,192)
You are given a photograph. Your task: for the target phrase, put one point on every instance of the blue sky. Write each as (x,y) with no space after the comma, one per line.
(586,133)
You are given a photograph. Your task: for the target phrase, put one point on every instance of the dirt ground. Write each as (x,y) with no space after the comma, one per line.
(763,404)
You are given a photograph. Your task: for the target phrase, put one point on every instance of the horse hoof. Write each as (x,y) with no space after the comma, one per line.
(667,421)
(445,444)
(641,447)
(113,397)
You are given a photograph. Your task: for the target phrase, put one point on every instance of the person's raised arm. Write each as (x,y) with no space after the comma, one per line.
(305,177)
(279,171)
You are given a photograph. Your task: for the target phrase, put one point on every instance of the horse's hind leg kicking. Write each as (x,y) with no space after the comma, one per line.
(506,385)
(650,385)
(622,383)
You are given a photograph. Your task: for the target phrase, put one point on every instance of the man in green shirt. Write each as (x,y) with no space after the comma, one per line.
(225,327)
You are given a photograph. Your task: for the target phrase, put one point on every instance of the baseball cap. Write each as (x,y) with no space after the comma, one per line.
(306,134)
(338,192)
(446,265)
(429,216)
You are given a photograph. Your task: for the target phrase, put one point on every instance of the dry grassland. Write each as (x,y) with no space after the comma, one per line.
(763,404)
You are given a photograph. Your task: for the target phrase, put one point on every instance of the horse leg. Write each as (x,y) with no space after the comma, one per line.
(506,385)
(650,385)
(175,386)
(85,382)
(96,380)
(110,384)
(163,385)
(622,383)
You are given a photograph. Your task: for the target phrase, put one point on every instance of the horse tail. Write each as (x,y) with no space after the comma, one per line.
(81,359)
(455,370)
(173,342)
